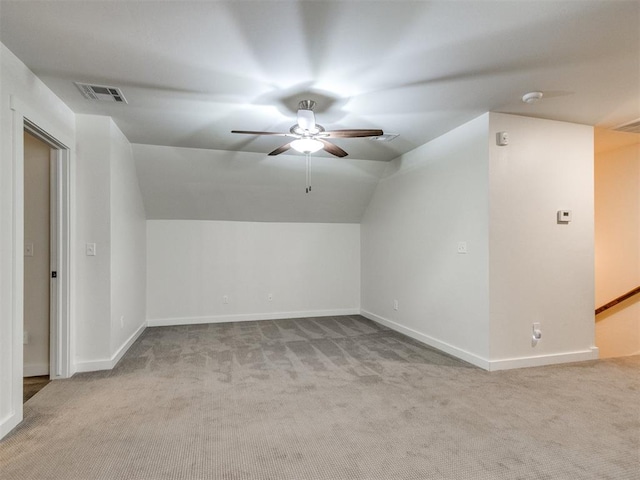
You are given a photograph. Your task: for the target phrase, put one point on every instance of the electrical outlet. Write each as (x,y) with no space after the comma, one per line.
(225,299)
(395,304)
(462,247)
(536,333)
(28,249)
(270,297)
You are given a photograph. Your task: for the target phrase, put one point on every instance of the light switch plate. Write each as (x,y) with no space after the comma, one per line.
(564,216)
(28,249)
(91,249)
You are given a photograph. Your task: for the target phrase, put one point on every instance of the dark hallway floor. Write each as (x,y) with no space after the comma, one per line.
(32,385)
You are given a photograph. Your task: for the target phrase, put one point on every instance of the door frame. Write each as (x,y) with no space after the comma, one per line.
(25,118)
(58,215)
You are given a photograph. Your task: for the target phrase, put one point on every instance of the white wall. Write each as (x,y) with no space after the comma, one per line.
(617,239)
(37,265)
(111,284)
(541,271)
(128,246)
(521,266)
(311,270)
(429,200)
(93,293)
(44,108)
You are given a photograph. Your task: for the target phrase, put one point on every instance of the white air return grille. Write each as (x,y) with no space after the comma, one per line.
(632,127)
(101,93)
(386,137)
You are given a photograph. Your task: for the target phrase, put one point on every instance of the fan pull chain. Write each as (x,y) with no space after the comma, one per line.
(308,189)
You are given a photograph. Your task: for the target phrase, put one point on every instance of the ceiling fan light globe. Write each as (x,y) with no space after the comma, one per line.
(307,145)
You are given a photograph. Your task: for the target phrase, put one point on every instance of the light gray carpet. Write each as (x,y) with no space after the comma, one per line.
(328,398)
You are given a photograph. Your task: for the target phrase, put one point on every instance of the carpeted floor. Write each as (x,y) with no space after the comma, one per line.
(336,398)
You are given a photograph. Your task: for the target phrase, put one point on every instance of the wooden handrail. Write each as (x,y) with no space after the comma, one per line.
(621,298)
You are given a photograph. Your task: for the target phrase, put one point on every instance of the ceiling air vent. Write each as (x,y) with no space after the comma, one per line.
(386,137)
(101,93)
(631,127)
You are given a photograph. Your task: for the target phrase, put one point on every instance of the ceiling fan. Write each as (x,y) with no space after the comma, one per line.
(311,136)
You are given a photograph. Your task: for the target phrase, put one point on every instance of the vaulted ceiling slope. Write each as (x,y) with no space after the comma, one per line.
(200,184)
(192,71)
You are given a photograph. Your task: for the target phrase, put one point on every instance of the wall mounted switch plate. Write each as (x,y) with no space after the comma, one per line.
(564,216)
(91,249)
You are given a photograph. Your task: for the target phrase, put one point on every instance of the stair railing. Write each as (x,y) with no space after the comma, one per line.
(618,300)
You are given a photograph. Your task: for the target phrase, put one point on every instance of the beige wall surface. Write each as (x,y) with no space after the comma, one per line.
(36,262)
(617,240)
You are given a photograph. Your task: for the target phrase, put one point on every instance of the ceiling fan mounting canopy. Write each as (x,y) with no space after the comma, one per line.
(310,136)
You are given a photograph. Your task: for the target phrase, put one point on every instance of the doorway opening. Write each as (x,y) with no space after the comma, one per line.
(25,118)
(617,242)
(46,329)
(39,320)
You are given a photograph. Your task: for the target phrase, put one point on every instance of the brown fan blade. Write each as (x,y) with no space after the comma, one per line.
(281,149)
(249,132)
(333,149)
(353,133)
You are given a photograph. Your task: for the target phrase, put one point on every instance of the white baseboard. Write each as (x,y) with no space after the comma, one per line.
(430,341)
(109,363)
(248,317)
(9,422)
(542,360)
(491,365)
(93,365)
(35,370)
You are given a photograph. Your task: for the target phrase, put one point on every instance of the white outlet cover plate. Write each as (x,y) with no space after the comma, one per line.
(502,139)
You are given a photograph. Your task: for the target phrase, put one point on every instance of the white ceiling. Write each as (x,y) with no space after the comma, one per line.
(192,71)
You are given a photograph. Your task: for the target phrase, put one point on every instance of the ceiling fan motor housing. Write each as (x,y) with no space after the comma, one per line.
(306,105)
(311,137)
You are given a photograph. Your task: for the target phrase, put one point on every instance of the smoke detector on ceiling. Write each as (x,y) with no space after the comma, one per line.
(101,93)
(532,97)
